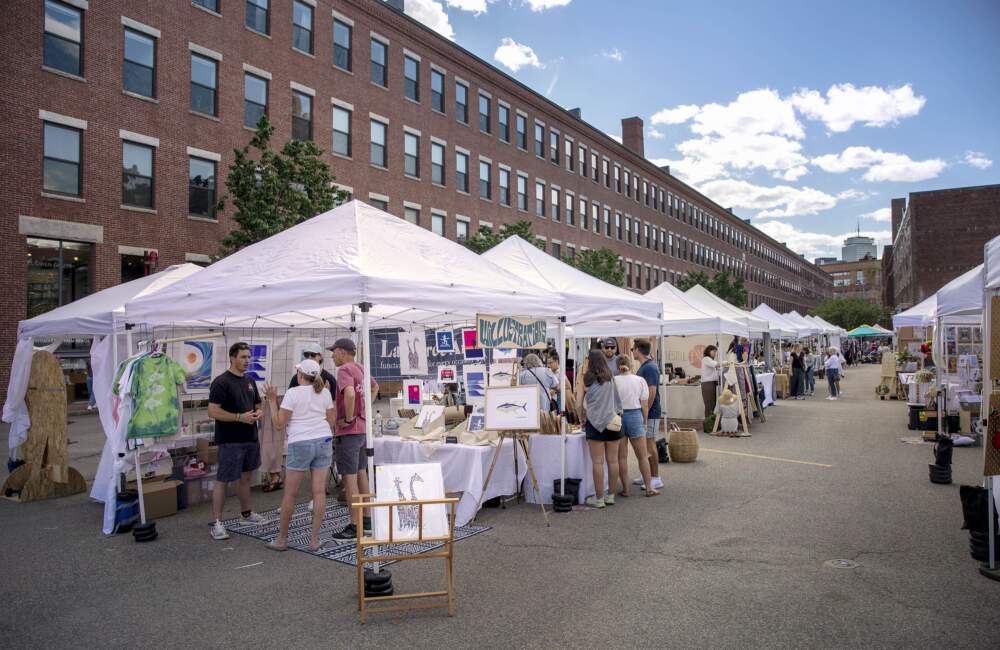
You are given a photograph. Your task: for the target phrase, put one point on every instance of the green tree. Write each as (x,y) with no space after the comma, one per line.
(722,284)
(851,312)
(691,279)
(274,190)
(487,238)
(602,264)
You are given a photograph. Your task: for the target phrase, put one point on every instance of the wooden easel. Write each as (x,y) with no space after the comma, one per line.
(739,397)
(518,438)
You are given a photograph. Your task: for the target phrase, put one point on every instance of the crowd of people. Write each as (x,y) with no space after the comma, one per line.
(805,364)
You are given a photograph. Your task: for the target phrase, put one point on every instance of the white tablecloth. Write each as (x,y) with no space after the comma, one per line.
(767,380)
(463,467)
(545,459)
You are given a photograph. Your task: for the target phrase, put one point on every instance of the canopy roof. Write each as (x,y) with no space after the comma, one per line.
(587,298)
(315,274)
(991,273)
(920,315)
(963,296)
(867,330)
(779,322)
(805,327)
(882,329)
(708,302)
(93,315)
(831,328)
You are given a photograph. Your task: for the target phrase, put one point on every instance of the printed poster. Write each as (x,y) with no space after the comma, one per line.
(475,383)
(196,358)
(410,483)
(445,340)
(511,332)
(413,352)
(260,362)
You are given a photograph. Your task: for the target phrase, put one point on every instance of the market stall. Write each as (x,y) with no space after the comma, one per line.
(991,391)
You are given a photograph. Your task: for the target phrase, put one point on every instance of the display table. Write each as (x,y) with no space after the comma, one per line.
(766,379)
(684,402)
(463,467)
(914,392)
(544,451)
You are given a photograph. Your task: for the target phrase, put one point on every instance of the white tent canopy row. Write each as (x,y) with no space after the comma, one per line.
(920,315)
(708,302)
(780,323)
(806,328)
(962,298)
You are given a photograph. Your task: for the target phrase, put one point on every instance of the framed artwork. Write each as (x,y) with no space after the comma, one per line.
(475,383)
(475,354)
(504,355)
(469,339)
(502,375)
(413,392)
(477,421)
(514,408)
(260,361)
(413,352)
(965,335)
(196,358)
(428,414)
(413,482)
(444,340)
(447,375)
(300,345)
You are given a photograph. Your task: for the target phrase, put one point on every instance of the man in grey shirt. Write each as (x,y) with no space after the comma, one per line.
(610,348)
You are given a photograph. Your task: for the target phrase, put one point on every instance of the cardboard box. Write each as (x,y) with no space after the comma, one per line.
(207,452)
(160,498)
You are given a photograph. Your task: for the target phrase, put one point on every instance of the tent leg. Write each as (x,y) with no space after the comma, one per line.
(369,437)
(562,405)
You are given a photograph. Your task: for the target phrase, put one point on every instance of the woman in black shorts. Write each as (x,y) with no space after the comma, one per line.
(601,405)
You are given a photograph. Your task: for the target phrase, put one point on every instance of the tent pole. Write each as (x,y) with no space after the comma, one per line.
(561,342)
(369,437)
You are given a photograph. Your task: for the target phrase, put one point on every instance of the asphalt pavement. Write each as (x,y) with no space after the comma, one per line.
(733,554)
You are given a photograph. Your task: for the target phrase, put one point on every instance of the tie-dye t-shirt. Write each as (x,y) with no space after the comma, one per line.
(156,408)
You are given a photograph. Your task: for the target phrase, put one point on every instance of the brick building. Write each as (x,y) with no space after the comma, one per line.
(859,279)
(121,119)
(938,235)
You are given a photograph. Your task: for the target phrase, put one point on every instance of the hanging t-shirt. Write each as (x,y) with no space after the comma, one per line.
(308,409)
(156,408)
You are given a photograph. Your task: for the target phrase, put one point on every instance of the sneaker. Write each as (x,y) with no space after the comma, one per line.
(637,481)
(657,483)
(255,519)
(348,532)
(594,502)
(219,531)
(609,499)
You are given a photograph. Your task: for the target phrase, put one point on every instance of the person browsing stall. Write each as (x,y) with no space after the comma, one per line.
(652,411)
(314,352)
(601,408)
(234,403)
(610,348)
(709,379)
(833,366)
(535,373)
(308,415)
(352,457)
(634,393)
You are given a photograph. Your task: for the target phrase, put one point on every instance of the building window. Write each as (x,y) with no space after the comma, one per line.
(211,5)
(201,187)
(539,140)
(302,27)
(628,274)
(341,131)
(462,171)
(461,230)
(254,99)
(381,204)
(568,146)
(605,174)
(556,250)
(504,186)
(522,132)
(628,184)
(540,198)
(437,163)
(583,214)
(522,193)
(378,156)
(593,166)
(503,119)
(63,38)
(412,215)
(302,126)
(257,16)
(607,222)
(484,113)
(645,234)
(618,179)
(583,160)
(554,199)
(645,194)
(411,155)
(554,147)
(618,226)
(342,45)
(461,103)
(485,185)
(139,69)
(204,72)
(378,69)
(411,77)
(133,267)
(58,273)
(137,174)
(437,224)
(628,230)
(570,219)
(635,186)
(61,159)
(437,90)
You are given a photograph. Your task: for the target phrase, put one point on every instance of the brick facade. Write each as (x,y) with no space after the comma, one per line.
(861,279)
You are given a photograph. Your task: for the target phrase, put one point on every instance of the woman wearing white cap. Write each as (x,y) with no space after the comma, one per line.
(308,413)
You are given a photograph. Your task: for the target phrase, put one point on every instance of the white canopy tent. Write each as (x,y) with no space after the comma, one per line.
(831,328)
(779,322)
(708,302)
(920,315)
(991,266)
(805,327)
(961,300)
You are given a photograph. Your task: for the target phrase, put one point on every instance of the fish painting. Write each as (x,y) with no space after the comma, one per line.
(512,407)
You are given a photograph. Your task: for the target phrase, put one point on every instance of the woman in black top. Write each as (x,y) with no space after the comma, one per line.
(798,372)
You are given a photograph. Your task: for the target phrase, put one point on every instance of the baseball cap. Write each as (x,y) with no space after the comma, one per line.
(312,348)
(610,342)
(344,344)
(308,367)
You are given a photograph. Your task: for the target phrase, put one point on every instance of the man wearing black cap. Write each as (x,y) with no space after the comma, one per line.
(351,456)
(610,348)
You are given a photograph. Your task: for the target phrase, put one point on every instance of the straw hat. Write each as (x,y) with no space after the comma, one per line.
(727,397)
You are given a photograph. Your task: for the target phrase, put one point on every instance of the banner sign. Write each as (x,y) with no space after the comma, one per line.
(385,354)
(510,332)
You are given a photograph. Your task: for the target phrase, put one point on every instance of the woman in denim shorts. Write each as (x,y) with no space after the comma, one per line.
(634,393)
(308,414)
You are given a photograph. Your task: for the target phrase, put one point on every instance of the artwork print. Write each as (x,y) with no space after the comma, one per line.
(444,340)
(475,383)
(447,375)
(260,362)
(413,390)
(413,352)
(514,408)
(196,358)
(475,354)
(411,482)
(502,375)
(469,339)
(504,355)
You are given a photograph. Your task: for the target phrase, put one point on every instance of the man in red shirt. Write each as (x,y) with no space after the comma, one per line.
(352,458)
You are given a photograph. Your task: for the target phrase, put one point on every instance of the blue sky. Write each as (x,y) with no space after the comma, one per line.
(803,116)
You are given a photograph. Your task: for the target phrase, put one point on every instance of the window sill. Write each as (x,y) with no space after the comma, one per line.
(378,167)
(68,75)
(411,178)
(254,31)
(135,208)
(378,85)
(303,53)
(207,10)
(486,199)
(151,100)
(504,205)
(341,156)
(486,133)
(194,217)
(437,112)
(462,193)
(249,128)
(443,187)
(63,197)
(344,70)
(411,100)
(205,115)
(461,123)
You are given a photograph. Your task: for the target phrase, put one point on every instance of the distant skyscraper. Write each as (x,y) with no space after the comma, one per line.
(820,261)
(857,248)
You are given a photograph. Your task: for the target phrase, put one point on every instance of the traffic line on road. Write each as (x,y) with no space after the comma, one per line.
(781,460)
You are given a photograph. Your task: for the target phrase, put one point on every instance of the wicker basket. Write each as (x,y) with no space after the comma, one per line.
(683,445)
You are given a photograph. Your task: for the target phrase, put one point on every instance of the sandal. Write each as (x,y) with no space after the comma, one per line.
(274,546)
(652,493)
(624,493)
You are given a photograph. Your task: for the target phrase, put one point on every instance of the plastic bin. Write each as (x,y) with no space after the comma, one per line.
(572,488)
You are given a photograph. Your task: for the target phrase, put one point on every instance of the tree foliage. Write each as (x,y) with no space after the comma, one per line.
(602,264)
(851,312)
(729,288)
(487,238)
(275,190)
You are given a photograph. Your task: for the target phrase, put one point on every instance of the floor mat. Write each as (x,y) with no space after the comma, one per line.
(337,516)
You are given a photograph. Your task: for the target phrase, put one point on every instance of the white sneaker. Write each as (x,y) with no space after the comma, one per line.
(310,505)
(657,482)
(637,481)
(219,531)
(255,519)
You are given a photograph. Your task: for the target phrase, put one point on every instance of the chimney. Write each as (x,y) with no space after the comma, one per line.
(665,168)
(898,208)
(395,4)
(577,113)
(632,134)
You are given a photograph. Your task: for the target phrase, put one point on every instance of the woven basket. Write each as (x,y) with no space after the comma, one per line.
(683,445)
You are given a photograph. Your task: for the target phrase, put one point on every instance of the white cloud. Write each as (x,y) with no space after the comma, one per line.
(677,115)
(815,244)
(978,160)
(745,152)
(882,214)
(616,138)
(692,171)
(474,6)
(880,165)
(430,13)
(514,55)
(772,202)
(542,5)
(656,134)
(844,105)
(614,54)
(855,194)
(792,174)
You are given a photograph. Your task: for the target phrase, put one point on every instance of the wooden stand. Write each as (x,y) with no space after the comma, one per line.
(739,396)
(447,555)
(518,438)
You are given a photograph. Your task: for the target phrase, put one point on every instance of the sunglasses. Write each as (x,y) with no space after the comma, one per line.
(610,347)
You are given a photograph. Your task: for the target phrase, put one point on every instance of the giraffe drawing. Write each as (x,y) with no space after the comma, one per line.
(408,516)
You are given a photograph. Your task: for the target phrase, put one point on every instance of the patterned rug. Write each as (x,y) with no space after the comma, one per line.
(337,516)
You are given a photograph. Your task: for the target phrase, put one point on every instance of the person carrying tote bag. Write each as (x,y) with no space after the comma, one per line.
(601,417)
